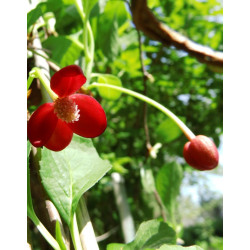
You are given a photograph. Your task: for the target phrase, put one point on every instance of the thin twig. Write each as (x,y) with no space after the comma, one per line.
(126,218)
(158,199)
(30,47)
(145,106)
(107,234)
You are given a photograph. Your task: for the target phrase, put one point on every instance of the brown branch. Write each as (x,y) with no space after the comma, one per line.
(145,106)
(145,21)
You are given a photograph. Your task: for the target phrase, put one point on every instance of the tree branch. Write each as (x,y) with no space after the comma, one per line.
(145,106)
(145,21)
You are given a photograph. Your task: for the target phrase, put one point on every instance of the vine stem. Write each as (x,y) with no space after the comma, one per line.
(45,233)
(188,133)
(37,73)
(88,38)
(73,228)
(87,234)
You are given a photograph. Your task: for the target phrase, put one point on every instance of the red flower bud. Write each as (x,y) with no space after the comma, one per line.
(201,153)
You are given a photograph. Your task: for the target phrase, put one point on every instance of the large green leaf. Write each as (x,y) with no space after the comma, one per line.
(64,50)
(168,131)
(168,182)
(111,46)
(117,246)
(152,234)
(67,174)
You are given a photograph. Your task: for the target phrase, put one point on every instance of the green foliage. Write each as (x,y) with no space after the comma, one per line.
(63,49)
(67,174)
(168,131)
(150,235)
(109,94)
(168,182)
(181,83)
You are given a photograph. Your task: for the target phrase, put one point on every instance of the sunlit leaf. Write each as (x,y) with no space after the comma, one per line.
(107,93)
(67,174)
(152,234)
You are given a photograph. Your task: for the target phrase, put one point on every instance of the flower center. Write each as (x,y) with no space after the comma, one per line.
(66,109)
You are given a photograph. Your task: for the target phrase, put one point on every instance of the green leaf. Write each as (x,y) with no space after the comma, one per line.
(176,247)
(67,174)
(91,4)
(111,46)
(34,14)
(107,26)
(41,9)
(152,234)
(168,131)
(64,50)
(115,246)
(168,182)
(98,8)
(107,93)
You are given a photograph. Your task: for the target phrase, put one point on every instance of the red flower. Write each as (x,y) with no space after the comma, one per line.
(201,153)
(52,125)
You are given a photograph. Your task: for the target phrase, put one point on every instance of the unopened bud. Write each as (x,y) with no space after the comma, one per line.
(201,153)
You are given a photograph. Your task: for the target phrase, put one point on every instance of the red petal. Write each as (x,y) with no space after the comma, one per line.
(67,81)
(41,125)
(60,138)
(92,121)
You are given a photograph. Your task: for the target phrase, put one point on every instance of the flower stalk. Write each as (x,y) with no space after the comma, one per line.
(188,133)
(45,233)
(37,73)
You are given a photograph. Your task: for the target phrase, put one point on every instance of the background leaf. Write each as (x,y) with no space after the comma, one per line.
(67,174)
(168,182)
(168,131)
(152,234)
(107,93)
(64,50)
